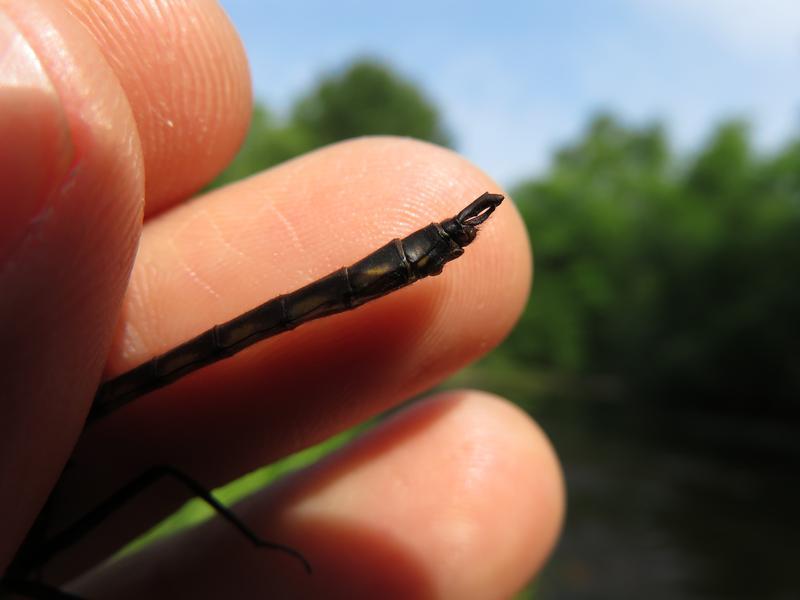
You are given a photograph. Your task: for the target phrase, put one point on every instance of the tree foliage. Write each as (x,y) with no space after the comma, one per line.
(366,98)
(677,279)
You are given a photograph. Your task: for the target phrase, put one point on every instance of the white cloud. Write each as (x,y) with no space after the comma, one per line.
(769,28)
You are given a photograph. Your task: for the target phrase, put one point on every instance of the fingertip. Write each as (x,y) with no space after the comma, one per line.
(460,495)
(465,483)
(497,486)
(530,484)
(186,77)
(414,182)
(481,296)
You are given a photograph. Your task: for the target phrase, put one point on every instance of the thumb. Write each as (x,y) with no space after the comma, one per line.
(71,181)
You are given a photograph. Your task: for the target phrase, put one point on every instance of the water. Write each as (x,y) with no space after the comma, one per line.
(674,505)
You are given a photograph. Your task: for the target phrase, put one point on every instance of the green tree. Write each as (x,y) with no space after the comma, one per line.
(673,278)
(584,217)
(368,98)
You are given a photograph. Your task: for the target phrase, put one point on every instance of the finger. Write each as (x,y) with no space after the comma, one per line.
(185,74)
(458,497)
(232,250)
(207,261)
(70,171)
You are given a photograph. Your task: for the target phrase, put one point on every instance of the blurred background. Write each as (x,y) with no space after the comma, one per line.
(653,147)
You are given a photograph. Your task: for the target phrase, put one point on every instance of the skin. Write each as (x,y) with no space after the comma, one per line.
(119,114)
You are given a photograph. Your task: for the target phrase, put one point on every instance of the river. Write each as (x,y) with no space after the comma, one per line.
(674,505)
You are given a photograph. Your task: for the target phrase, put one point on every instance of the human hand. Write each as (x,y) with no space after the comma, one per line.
(109,110)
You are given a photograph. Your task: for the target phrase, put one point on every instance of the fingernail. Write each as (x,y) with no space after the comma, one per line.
(35,146)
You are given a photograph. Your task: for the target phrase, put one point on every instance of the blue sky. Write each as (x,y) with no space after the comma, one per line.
(516,79)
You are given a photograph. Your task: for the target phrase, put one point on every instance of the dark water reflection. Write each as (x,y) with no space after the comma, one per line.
(674,505)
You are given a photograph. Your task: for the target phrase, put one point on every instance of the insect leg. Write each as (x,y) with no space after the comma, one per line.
(80,528)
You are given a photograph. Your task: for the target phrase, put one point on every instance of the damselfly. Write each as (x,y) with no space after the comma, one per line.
(399,263)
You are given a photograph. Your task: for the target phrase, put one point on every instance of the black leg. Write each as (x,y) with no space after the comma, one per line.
(75,532)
